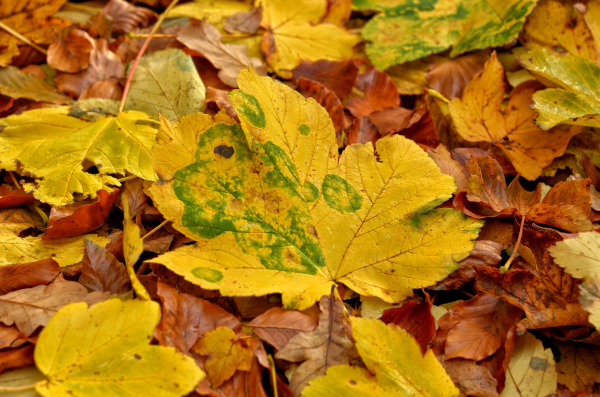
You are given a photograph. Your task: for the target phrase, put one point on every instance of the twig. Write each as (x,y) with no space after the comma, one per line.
(133,35)
(23,38)
(155,229)
(141,52)
(506,266)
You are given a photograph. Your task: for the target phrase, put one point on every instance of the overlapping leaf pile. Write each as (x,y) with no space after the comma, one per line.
(233,198)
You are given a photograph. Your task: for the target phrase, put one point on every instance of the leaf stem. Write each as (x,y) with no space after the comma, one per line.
(22,38)
(506,266)
(127,178)
(273,375)
(141,52)
(133,35)
(17,388)
(155,229)
(12,176)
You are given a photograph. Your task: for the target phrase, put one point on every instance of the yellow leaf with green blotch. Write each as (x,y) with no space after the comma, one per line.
(395,367)
(294,33)
(275,211)
(577,98)
(407,29)
(104,350)
(225,355)
(53,146)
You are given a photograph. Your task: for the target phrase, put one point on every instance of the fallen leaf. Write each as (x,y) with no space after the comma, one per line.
(579,256)
(415,318)
(531,371)
(26,275)
(442,157)
(324,347)
(17,84)
(471,379)
(327,202)
(379,90)
(70,142)
(589,298)
(391,120)
(101,271)
(105,89)
(294,33)
(405,31)
(326,98)
(66,251)
(132,249)
(167,82)
(71,53)
(409,77)
(578,365)
(229,59)
(79,218)
(220,98)
(212,12)
(225,354)
(478,118)
(362,130)
(405,371)
(451,77)
(127,17)
(338,76)
(103,64)
(21,377)
(20,218)
(244,22)
(70,356)
(30,308)
(14,197)
(277,326)
(16,358)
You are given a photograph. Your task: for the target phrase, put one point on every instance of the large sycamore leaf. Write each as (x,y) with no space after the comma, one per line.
(273,210)
(478,117)
(53,146)
(104,350)
(295,34)
(577,98)
(166,82)
(396,367)
(407,30)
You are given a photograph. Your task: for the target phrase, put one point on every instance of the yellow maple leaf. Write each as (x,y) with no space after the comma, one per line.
(273,210)
(403,372)
(294,33)
(53,146)
(104,349)
(133,247)
(478,117)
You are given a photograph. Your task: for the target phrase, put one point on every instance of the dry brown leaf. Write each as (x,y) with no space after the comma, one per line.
(362,131)
(379,93)
(579,366)
(26,275)
(228,58)
(220,98)
(338,76)
(72,53)
(442,157)
(450,78)
(10,336)
(16,358)
(326,98)
(31,308)
(391,119)
(127,17)
(277,326)
(106,89)
(244,22)
(325,346)
(101,271)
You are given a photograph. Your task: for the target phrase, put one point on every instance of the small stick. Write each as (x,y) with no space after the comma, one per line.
(506,266)
(141,52)
(23,38)
(155,229)
(133,35)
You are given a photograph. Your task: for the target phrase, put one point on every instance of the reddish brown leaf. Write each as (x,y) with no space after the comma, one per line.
(134,191)
(468,340)
(16,358)
(590,170)
(421,128)
(337,76)
(415,318)
(253,306)
(80,218)
(244,22)
(277,326)
(104,64)
(391,119)
(10,336)
(451,77)
(575,193)
(442,157)
(159,242)
(486,183)
(379,90)
(127,17)
(220,98)
(14,198)
(326,98)
(101,271)
(362,131)
(72,53)
(27,275)
(521,199)
(106,89)
(463,155)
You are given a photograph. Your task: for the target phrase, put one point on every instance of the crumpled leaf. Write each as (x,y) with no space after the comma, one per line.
(277,326)
(294,34)
(531,371)
(225,354)
(325,346)
(30,308)
(101,271)
(166,82)
(71,53)
(577,98)
(88,351)
(18,84)
(27,275)
(290,211)
(578,366)
(66,251)
(478,118)
(229,59)
(114,144)
(395,367)
(127,17)
(408,30)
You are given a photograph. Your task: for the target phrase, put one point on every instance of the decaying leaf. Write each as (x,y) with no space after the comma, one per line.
(71,53)
(101,271)
(114,144)
(126,17)
(87,350)
(277,197)
(405,371)
(277,326)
